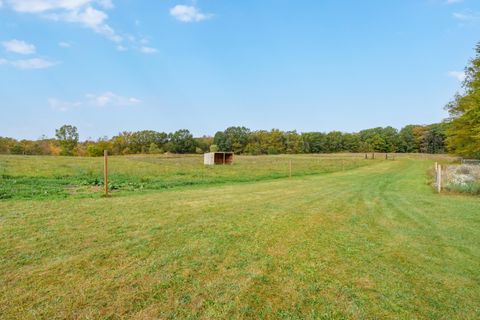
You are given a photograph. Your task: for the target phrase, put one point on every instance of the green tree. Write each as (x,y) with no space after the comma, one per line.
(463,133)
(6,145)
(154,149)
(315,142)
(232,139)
(434,139)
(121,143)
(141,141)
(294,143)
(408,142)
(182,141)
(334,142)
(67,137)
(351,142)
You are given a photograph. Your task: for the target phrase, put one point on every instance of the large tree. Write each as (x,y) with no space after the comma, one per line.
(182,141)
(232,139)
(67,137)
(463,134)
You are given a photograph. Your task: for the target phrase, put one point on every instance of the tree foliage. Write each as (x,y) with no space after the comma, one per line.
(464,122)
(67,137)
(241,140)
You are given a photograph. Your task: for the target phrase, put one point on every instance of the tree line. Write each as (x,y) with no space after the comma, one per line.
(241,140)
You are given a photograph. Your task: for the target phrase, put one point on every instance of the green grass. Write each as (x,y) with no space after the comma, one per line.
(375,242)
(60,177)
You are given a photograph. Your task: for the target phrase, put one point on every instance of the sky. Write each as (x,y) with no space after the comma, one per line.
(108,66)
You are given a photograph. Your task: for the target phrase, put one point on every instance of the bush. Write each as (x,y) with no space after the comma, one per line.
(154,149)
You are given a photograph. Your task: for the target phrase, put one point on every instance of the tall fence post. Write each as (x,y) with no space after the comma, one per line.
(105,171)
(290,168)
(439,178)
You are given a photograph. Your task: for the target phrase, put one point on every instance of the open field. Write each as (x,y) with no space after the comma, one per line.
(372,242)
(59,177)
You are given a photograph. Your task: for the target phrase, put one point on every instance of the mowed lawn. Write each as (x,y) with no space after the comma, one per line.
(373,242)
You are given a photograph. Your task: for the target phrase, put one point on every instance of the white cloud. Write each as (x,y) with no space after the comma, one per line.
(25,64)
(65,44)
(1,3)
(106,99)
(62,105)
(453,1)
(111,99)
(466,16)
(90,18)
(74,11)
(18,46)
(148,50)
(189,14)
(459,75)
(41,6)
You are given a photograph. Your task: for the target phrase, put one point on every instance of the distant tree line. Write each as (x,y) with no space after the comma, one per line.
(241,140)
(411,139)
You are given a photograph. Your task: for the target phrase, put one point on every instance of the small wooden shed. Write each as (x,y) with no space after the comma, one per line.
(214,158)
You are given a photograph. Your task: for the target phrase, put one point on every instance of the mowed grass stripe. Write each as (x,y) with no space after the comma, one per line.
(373,242)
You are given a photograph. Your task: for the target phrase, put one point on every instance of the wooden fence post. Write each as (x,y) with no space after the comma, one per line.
(105,171)
(439,178)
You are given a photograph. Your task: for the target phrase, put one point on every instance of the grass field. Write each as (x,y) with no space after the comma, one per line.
(61,177)
(371,242)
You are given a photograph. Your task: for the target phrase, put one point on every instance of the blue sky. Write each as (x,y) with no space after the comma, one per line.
(314,65)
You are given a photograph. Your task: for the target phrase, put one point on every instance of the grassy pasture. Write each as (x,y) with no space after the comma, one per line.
(372,242)
(33,177)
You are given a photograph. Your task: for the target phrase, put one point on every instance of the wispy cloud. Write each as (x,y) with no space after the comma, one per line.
(63,106)
(189,13)
(26,64)
(19,46)
(459,75)
(64,44)
(148,50)
(103,100)
(90,18)
(466,16)
(111,99)
(83,12)
(453,1)
(90,14)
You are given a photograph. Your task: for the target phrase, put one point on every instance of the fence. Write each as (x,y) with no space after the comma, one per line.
(471,162)
(438,177)
(458,178)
